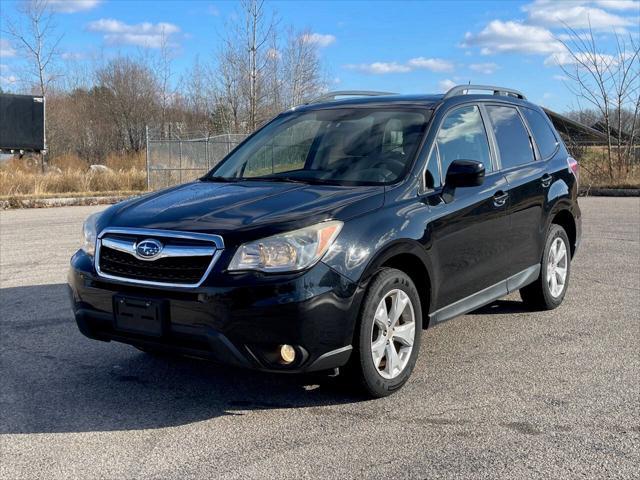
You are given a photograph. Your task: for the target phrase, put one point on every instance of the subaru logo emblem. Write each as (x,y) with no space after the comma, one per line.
(148,249)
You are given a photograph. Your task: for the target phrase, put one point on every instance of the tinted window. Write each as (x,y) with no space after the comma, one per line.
(542,132)
(512,136)
(462,137)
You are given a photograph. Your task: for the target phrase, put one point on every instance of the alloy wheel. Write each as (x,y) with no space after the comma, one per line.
(393,334)
(557,264)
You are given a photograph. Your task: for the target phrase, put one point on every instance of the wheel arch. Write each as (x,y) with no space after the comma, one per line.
(564,218)
(408,257)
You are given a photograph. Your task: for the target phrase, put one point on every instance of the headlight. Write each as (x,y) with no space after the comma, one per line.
(287,252)
(89,234)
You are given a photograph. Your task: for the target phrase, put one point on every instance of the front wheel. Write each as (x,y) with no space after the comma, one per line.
(548,291)
(388,334)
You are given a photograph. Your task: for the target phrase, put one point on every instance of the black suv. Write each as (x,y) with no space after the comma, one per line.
(333,235)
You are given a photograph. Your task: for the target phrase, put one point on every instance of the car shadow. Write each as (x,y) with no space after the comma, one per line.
(56,380)
(501,307)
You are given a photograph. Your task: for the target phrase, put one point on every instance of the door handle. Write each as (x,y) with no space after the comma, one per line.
(546,180)
(500,198)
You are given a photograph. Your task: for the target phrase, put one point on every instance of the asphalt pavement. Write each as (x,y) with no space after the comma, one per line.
(499,393)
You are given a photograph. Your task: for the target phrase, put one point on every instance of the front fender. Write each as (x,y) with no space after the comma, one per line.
(366,243)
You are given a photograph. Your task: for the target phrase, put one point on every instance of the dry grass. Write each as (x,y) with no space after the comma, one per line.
(27,183)
(47,196)
(70,174)
(594,171)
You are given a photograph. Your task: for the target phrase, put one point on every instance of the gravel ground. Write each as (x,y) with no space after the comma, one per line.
(499,393)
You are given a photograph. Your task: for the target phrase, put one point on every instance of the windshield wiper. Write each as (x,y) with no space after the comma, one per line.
(285,178)
(220,179)
(275,178)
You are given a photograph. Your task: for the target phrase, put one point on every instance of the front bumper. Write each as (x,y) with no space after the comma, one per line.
(233,319)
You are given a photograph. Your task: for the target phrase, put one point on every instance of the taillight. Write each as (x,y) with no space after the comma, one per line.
(574,166)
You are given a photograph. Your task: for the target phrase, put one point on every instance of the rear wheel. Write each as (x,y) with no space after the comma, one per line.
(548,291)
(388,334)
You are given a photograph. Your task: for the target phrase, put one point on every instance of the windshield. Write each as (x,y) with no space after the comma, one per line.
(342,146)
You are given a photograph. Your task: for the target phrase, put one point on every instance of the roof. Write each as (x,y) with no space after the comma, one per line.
(576,132)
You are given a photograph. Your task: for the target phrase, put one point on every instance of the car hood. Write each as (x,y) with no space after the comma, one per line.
(243,206)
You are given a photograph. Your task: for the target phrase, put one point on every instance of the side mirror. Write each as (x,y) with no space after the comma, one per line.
(464,173)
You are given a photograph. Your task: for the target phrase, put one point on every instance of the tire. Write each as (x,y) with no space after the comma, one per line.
(539,295)
(386,377)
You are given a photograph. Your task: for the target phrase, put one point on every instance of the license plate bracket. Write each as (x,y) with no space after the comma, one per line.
(138,315)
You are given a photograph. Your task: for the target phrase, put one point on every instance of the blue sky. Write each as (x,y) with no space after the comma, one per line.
(401,46)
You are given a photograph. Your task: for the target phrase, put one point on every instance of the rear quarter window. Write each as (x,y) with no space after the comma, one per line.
(542,133)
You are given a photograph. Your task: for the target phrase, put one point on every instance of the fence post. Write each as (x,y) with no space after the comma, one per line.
(146,131)
(206,152)
(180,164)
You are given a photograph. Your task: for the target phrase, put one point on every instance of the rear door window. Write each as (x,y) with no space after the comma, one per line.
(545,137)
(511,135)
(462,137)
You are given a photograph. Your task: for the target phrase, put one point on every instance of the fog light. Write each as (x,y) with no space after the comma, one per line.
(287,354)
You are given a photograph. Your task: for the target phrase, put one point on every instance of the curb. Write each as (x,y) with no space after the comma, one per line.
(59,202)
(609,192)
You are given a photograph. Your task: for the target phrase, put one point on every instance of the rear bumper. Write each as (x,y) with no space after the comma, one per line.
(239,320)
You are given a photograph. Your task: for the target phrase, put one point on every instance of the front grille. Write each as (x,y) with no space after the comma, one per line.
(185,258)
(168,270)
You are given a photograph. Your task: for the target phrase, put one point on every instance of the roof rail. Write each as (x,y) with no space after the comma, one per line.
(347,93)
(463,89)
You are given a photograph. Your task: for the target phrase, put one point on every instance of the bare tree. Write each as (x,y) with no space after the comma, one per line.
(243,62)
(229,92)
(257,31)
(164,73)
(128,97)
(609,82)
(37,39)
(302,70)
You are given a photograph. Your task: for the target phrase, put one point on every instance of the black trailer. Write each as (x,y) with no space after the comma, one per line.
(22,123)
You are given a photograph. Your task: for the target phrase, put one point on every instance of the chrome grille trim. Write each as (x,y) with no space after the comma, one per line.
(168,251)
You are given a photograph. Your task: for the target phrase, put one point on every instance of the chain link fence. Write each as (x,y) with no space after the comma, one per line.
(177,158)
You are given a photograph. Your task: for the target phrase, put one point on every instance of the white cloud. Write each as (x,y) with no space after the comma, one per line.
(445,85)
(213,10)
(9,80)
(6,50)
(510,36)
(565,58)
(432,64)
(619,4)
(143,34)
(379,68)
(72,56)
(6,79)
(574,15)
(72,6)
(418,63)
(320,39)
(485,68)
(560,78)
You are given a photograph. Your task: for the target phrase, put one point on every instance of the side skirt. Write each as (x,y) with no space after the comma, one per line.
(486,296)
